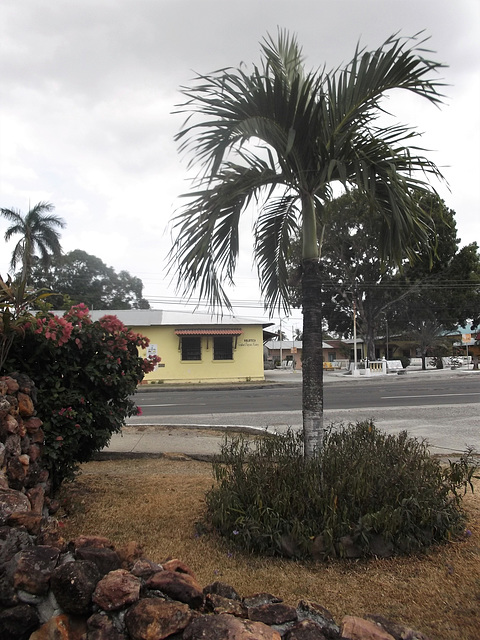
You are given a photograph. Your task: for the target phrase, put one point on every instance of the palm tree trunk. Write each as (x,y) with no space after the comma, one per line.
(312,400)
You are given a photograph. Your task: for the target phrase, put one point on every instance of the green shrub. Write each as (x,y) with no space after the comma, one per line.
(85,374)
(365,488)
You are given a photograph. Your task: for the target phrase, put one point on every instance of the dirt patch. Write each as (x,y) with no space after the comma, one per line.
(158,501)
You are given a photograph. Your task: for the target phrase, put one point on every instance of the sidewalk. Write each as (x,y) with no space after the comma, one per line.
(200,436)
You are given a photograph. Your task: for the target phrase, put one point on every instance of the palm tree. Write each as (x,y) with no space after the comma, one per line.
(280,138)
(37,230)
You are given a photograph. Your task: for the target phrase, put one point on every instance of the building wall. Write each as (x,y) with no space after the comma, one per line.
(247,362)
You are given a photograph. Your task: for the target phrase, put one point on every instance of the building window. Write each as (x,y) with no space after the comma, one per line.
(222,348)
(191,348)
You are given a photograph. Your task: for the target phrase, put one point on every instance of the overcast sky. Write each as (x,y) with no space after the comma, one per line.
(87,90)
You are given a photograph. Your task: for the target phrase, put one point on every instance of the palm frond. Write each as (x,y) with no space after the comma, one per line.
(281,125)
(276,226)
(206,247)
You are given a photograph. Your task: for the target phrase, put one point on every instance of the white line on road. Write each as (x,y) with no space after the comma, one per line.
(178,404)
(432,395)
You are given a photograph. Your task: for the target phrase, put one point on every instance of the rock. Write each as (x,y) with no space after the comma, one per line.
(92,541)
(25,384)
(179,586)
(12,542)
(61,627)
(144,568)
(307,610)
(355,628)
(258,599)
(25,405)
(12,501)
(348,548)
(10,424)
(219,604)
(129,554)
(33,568)
(5,407)
(225,627)
(73,585)
(273,613)
(48,608)
(318,548)
(50,536)
(156,619)
(116,590)
(288,546)
(29,598)
(10,385)
(13,445)
(16,473)
(101,627)
(17,623)
(31,521)
(380,547)
(306,630)
(178,566)
(105,559)
(24,459)
(36,495)
(32,425)
(2,454)
(398,631)
(222,589)
(34,452)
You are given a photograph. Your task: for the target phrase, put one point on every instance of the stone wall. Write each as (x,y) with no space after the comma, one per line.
(89,590)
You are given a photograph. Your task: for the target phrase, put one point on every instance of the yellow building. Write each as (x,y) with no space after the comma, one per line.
(197,347)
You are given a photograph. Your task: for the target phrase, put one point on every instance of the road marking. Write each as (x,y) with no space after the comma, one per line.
(178,404)
(432,395)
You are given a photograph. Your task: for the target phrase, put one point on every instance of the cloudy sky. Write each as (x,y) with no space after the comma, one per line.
(88,88)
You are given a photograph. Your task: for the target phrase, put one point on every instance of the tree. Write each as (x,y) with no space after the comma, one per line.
(84,278)
(438,290)
(282,137)
(38,232)
(353,273)
(443,292)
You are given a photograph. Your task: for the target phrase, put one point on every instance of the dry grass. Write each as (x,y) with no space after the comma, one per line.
(157,502)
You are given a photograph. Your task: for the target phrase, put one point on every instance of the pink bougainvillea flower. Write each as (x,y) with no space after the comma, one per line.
(139,411)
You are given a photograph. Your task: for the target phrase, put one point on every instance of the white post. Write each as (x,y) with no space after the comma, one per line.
(354,339)
(281,342)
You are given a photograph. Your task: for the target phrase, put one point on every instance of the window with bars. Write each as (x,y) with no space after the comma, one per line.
(223,348)
(191,348)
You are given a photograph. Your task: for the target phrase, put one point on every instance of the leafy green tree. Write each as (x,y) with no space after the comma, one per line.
(84,278)
(436,291)
(443,292)
(281,137)
(38,231)
(353,274)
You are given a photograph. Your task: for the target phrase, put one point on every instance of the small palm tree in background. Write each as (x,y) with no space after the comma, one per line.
(38,231)
(280,138)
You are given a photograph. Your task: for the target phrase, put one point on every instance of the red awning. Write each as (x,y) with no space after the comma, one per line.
(208,332)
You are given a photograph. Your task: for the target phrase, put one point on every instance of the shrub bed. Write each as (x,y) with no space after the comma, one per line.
(367,493)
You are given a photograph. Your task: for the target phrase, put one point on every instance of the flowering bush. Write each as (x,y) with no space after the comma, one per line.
(85,373)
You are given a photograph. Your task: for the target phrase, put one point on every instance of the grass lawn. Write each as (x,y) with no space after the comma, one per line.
(156,501)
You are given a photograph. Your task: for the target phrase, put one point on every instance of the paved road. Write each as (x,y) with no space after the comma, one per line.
(448,427)
(393,391)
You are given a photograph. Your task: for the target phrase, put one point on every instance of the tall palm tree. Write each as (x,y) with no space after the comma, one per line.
(280,138)
(38,232)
